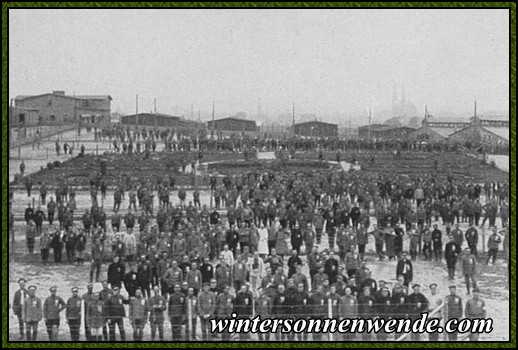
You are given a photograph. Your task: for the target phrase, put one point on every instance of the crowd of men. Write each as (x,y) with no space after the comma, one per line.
(249,253)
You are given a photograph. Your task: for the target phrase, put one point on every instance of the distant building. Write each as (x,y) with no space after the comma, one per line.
(384,132)
(484,130)
(401,106)
(56,107)
(232,124)
(150,119)
(22,117)
(316,129)
(433,129)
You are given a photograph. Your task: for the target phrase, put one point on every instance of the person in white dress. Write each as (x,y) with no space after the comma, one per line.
(263,241)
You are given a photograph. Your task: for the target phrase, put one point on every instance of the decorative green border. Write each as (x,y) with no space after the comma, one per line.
(5,101)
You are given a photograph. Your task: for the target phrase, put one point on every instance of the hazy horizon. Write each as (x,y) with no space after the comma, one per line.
(328,62)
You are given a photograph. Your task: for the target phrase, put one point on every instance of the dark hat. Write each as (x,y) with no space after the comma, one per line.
(366,287)
(74,289)
(53,288)
(453,287)
(32,288)
(416,285)
(382,281)
(115,288)
(22,279)
(205,284)
(433,285)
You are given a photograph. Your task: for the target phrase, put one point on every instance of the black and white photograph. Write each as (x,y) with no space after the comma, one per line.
(258,175)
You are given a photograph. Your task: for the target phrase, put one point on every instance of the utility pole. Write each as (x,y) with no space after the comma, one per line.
(369,129)
(213,123)
(293,122)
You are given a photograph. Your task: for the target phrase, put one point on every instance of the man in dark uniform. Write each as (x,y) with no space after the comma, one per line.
(318,307)
(451,252)
(18,302)
(366,309)
(158,305)
(243,307)
(176,312)
(384,309)
(453,310)
(73,314)
(115,313)
(51,308)
(417,304)
(404,268)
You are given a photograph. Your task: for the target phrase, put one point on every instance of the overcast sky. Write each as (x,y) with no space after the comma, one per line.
(326,61)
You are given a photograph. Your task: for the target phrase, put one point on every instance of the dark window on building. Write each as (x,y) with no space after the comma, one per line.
(49,103)
(52,118)
(86,103)
(21,118)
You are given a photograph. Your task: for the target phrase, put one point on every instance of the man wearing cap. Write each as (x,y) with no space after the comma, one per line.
(52,306)
(32,314)
(87,299)
(224,308)
(73,314)
(475,309)
(18,303)
(366,309)
(384,309)
(158,304)
(194,278)
(469,268)
(243,306)
(435,300)
(176,312)
(138,314)
(206,309)
(453,310)
(400,308)
(368,281)
(105,295)
(131,280)
(417,304)
(115,313)
(96,317)
(97,260)
(348,308)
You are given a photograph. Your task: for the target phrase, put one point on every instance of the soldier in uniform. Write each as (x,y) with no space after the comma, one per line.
(492,245)
(97,260)
(18,303)
(452,251)
(243,307)
(383,309)
(417,304)
(157,304)
(32,314)
(453,310)
(348,308)
(96,317)
(263,308)
(475,309)
(138,314)
(366,309)
(176,312)
(115,313)
(87,299)
(51,308)
(224,308)
(318,307)
(206,308)
(472,238)
(469,268)
(73,314)
(435,300)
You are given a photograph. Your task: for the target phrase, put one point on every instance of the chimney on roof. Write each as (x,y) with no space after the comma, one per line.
(59,92)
